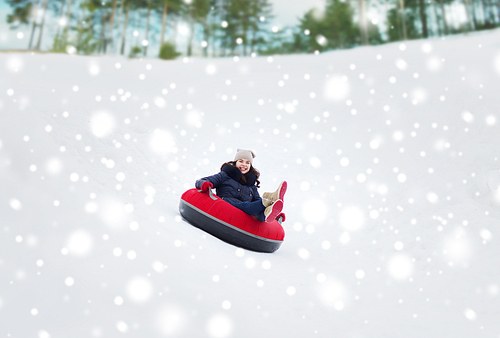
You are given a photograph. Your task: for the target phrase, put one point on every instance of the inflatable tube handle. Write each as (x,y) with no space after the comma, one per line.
(210,193)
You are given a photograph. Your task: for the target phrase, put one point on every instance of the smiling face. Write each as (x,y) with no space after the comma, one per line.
(243,165)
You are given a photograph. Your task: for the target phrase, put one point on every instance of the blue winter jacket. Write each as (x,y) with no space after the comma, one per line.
(229,188)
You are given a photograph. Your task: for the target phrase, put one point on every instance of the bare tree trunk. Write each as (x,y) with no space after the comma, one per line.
(41,25)
(469,16)
(66,27)
(491,12)
(137,24)
(486,11)
(103,31)
(191,23)
(245,32)
(80,29)
(498,9)
(118,23)
(191,37)
(436,16)
(68,18)
(403,18)
(473,14)
(90,26)
(254,39)
(148,15)
(110,24)
(253,25)
(163,22)
(445,21)
(61,13)
(33,26)
(124,31)
(206,35)
(362,22)
(497,12)
(423,18)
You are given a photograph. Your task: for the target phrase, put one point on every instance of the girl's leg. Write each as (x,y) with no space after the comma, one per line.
(255,208)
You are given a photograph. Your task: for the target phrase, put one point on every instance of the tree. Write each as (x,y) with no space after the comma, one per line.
(196,12)
(402,15)
(148,16)
(44,10)
(209,28)
(68,18)
(335,29)
(61,40)
(419,9)
(244,24)
(313,28)
(423,18)
(443,17)
(341,31)
(85,41)
(261,13)
(471,18)
(110,24)
(172,7)
(127,4)
(57,38)
(287,41)
(363,24)
(229,26)
(401,26)
(134,6)
(168,52)
(21,14)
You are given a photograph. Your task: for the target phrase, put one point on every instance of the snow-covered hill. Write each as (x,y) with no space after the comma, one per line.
(390,153)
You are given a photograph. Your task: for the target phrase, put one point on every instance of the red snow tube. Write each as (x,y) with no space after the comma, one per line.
(219,218)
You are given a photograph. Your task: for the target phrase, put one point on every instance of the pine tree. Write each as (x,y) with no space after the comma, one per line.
(339,21)
(312,27)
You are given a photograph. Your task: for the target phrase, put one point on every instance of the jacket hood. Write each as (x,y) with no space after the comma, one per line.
(236,175)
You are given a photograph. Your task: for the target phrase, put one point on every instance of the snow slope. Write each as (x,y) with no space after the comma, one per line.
(390,153)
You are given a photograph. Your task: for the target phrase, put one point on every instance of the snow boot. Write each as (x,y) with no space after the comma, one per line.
(273,211)
(266,202)
(279,194)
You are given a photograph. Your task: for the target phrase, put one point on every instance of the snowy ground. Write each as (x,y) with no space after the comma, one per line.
(390,153)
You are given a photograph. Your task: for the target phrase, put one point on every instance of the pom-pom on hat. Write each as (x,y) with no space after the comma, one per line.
(244,154)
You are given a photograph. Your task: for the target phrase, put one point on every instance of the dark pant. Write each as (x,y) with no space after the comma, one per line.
(255,208)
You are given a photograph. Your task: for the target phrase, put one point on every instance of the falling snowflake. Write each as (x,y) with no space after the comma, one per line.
(102,124)
(352,218)
(337,88)
(400,267)
(79,243)
(139,289)
(219,326)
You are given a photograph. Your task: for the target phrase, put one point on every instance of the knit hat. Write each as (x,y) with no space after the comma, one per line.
(245,154)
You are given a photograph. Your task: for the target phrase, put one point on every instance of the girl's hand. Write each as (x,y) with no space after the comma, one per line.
(206,186)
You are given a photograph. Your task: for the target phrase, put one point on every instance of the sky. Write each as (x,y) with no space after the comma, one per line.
(286,13)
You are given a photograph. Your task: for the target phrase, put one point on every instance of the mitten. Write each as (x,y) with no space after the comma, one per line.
(206,186)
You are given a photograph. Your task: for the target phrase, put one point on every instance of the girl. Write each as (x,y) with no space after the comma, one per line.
(237,184)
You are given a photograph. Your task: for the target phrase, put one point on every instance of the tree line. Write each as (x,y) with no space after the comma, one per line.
(238,27)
